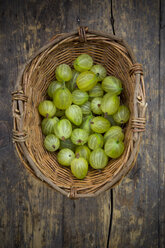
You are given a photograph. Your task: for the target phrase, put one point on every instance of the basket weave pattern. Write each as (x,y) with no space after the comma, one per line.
(31,87)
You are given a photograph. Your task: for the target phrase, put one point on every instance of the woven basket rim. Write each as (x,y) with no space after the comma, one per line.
(138,123)
(62,36)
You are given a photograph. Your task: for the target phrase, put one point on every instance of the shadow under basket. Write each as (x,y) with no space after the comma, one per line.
(116,56)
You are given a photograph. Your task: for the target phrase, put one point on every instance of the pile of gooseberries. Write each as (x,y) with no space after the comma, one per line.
(83,116)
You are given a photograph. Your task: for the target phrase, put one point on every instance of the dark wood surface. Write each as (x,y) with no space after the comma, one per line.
(33,215)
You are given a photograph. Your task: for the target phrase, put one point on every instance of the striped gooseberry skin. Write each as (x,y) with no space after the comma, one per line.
(122,115)
(114,148)
(112,85)
(79,97)
(51,143)
(79,167)
(47,125)
(62,98)
(98,159)
(53,87)
(100,71)
(74,114)
(86,108)
(83,62)
(65,156)
(47,108)
(110,104)
(83,151)
(86,123)
(63,129)
(95,141)
(71,85)
(96,91)
(86,80)
(63,73)
(114,132)
(99,124)
(79,136)
(96,105)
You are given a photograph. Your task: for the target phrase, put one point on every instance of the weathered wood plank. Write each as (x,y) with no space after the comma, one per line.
(86,222)
(31,214)
(161,129)
(135,222)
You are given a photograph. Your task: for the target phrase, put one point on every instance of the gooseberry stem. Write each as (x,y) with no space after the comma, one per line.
(63,85)
(77,155)
(47,115)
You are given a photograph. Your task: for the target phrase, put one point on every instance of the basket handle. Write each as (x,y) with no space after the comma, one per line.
(138,121)
(19,99)
(81,31)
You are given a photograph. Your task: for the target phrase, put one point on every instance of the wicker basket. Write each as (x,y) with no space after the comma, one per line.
(31,88)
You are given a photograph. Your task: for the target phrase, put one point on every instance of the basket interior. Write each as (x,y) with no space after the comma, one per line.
(36,79)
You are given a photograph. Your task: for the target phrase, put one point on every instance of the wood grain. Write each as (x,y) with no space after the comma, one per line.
(161,168)
(137,209)
(33,215)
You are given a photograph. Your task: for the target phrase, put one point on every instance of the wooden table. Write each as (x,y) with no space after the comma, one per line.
(33,215)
